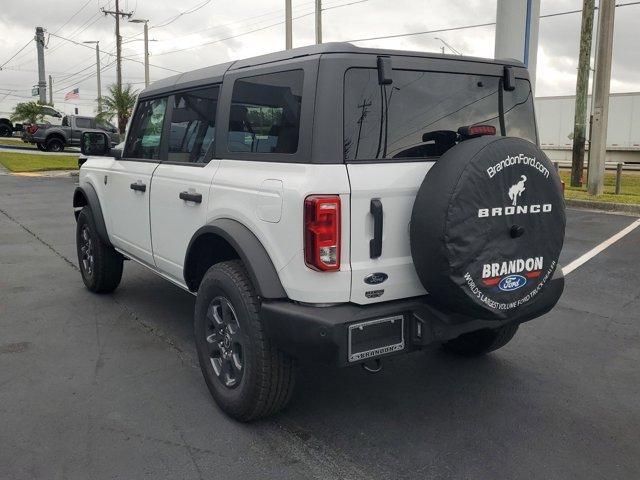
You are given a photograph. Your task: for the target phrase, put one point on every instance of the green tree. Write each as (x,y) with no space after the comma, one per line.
(118,103)
(29,112)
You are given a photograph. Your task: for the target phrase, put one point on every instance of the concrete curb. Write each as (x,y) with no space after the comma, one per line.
(633,208)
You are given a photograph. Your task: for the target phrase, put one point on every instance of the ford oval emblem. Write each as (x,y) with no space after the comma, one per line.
(512,282)
(375,278)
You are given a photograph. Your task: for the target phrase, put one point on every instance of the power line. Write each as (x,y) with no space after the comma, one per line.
(73,16)
(477,25)
(16,54)
(344,5)
(425,32)
(252,31)
(112,55)
(186,12)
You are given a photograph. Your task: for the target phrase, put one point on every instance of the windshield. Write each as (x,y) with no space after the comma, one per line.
(420,112)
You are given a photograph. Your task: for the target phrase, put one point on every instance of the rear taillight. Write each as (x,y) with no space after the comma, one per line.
(322,232)
(31,129)
(476,131)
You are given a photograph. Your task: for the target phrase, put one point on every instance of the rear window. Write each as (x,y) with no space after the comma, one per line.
(83,122)
(417,114)
(265,113)
(193,125)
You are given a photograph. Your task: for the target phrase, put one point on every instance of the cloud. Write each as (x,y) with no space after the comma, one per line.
(557,52)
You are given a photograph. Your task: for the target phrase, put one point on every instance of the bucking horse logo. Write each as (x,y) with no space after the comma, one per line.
(516,190)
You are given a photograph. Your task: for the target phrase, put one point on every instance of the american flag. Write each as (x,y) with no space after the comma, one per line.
(73,94)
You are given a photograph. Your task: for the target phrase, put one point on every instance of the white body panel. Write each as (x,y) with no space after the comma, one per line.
(268,199)
(127,219)
(248,192)
(396,185)
(174,221)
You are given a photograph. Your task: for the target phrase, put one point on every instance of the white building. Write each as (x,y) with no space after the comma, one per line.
(555,117)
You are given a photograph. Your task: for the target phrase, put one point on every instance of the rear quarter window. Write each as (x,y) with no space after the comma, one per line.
(265,113)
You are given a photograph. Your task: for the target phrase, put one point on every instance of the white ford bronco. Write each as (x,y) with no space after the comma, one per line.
(331,203)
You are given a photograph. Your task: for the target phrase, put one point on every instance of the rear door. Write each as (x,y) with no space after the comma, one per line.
(181,184)
(393,134)
(80,124)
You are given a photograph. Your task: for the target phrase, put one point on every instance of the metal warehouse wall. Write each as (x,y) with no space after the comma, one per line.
(555,121)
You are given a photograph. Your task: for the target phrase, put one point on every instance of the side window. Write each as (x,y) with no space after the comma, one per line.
(265,113)
(146,130)
(83,122)
(103,125)
(193,125)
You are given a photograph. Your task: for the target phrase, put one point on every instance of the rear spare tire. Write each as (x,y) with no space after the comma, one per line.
(487,228)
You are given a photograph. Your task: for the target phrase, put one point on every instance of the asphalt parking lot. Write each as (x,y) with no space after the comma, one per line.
(108,386)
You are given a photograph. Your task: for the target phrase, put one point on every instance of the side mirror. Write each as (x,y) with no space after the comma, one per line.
(117,153)
(95,144)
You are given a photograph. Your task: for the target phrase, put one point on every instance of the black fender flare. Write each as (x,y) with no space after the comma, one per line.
(256,260)
(86,195)
(55,133)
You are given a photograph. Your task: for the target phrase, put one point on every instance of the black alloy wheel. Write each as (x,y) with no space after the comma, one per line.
(225,342)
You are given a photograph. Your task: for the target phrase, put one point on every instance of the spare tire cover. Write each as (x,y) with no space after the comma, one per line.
(487,227)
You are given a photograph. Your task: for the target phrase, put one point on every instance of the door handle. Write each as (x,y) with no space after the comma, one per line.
(191,197)
(375,244)
(138,187)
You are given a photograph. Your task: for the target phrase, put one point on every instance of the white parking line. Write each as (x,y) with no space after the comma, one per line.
(598,249)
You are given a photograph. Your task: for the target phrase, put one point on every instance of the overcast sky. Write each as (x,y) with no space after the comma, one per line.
(73,65)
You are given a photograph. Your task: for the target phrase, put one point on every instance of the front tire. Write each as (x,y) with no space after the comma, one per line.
(100,265)
(40,146)
(247,375)
(481,342)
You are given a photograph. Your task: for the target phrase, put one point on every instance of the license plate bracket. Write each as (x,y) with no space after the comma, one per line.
(373,338)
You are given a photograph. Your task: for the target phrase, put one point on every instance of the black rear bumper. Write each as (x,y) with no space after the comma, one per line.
(322,333)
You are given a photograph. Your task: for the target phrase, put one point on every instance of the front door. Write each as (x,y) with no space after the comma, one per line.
(128,184)
(180,185)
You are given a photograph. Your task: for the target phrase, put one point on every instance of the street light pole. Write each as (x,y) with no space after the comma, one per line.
(146,48)
(97,42)
(318,22)
(287,21)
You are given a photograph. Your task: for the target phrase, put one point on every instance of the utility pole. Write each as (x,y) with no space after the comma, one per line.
(146,53)
(318,22)
(602,83)
(146,48)
(288,28)
(50,90)
(98,76)
(42,83)
(117,14)
(582,90)
(97,42)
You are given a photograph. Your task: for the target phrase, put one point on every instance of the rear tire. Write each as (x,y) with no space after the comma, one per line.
(247,375)
(481,342)
(55,145)
(100,265)
(5,130)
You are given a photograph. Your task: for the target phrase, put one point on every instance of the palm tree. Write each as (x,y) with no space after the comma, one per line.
(30,112)
(120,103)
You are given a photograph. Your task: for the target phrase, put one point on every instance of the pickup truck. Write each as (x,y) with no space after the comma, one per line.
(49,116)
(55,138)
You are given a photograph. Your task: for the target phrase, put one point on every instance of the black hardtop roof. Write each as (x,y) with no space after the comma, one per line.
(215,73)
